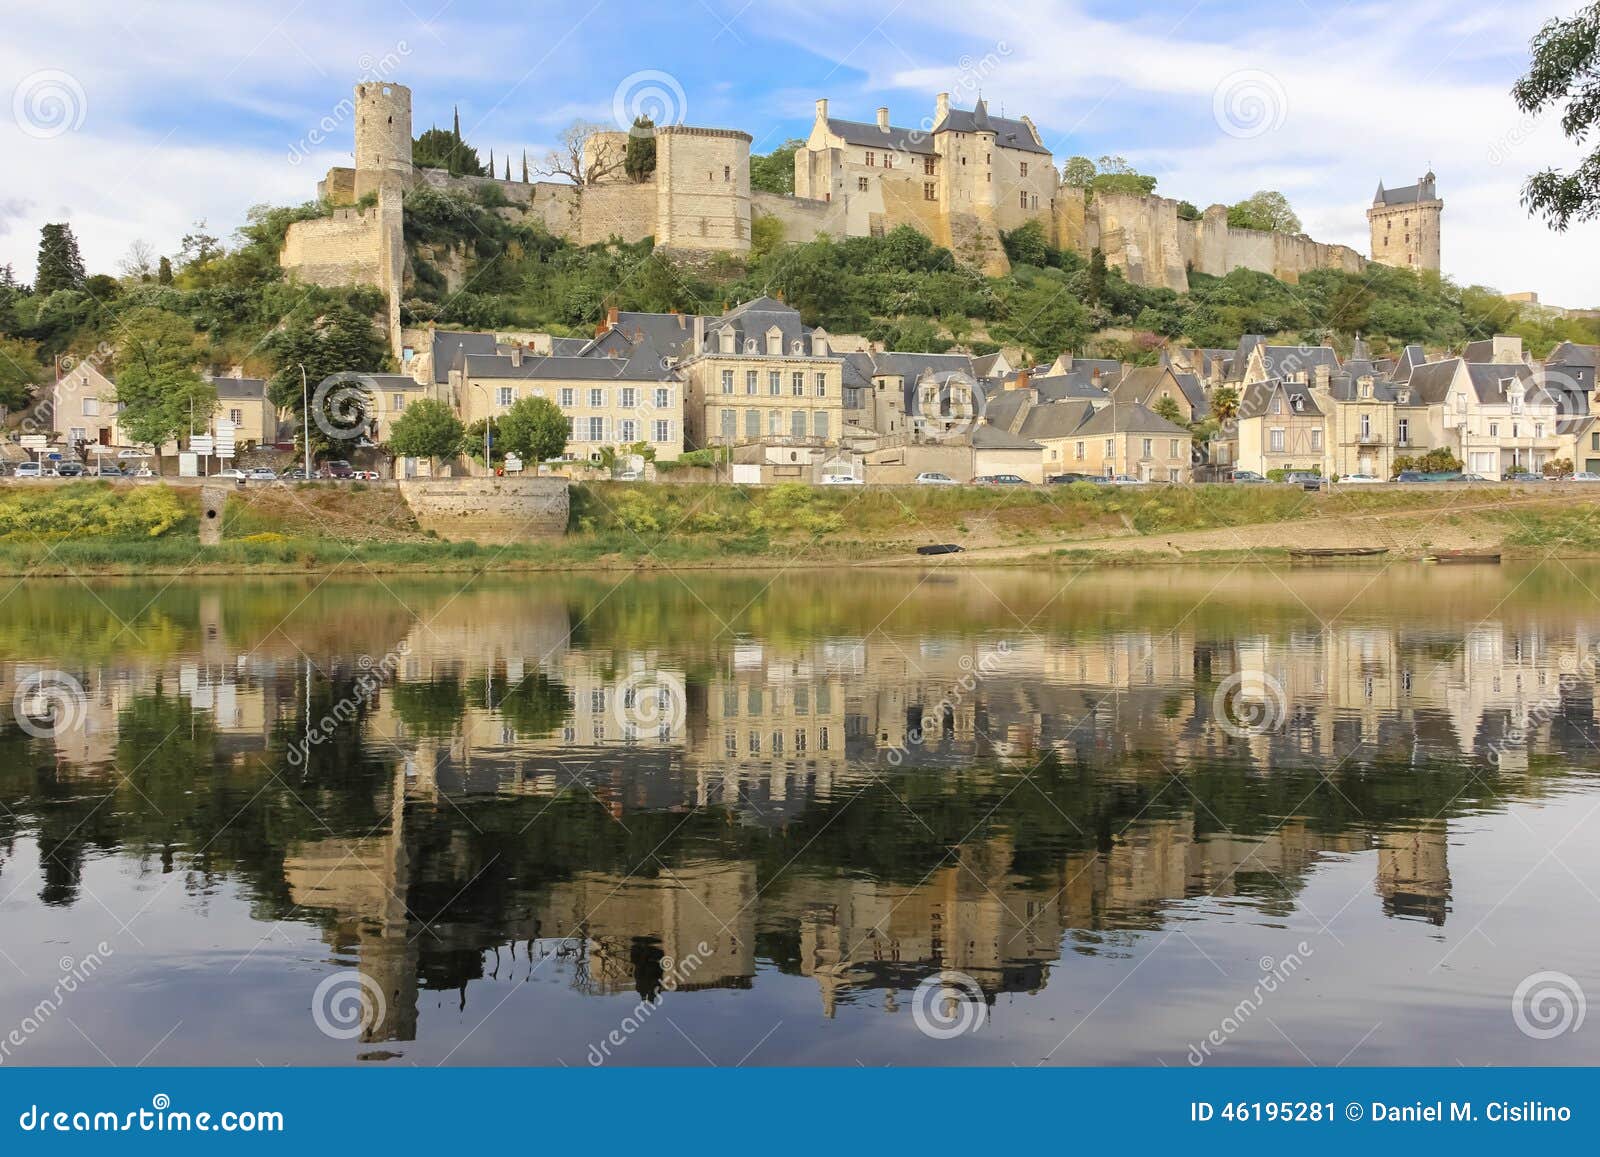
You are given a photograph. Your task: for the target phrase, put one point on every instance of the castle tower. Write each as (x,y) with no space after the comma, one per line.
(383,137)
(702,188)
(1405,225)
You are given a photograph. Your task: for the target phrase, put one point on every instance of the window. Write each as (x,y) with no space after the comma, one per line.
(775,383)
(927,165)
(1316,439)
(629,430)
(1079,455)
(774,422)
(663,397)
(1149,447)
(861,184)
(751,379)
(1594,442)
(662,431)
(1024,168)
(1275,441)
(1403,431)
(727,173)
(91,407)
(872,159)
(1494,429)
(752,423)
(572,432)
(822,385)
(1172,448)
(1366,426)
(819,424)
(1538,429)
(1033,200)
(1276,405)
(567,396)
(730,425)
(1023,197)
(597,429)
(397,402)
(797,424)
(630,397)
(888,160)
(930,191)
(727,381)
(505,395)
(797,384)
(1111,448)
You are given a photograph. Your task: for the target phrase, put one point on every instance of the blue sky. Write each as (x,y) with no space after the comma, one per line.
(164,113)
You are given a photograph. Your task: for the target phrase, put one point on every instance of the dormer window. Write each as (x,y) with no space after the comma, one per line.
(749,345)
(1276,405)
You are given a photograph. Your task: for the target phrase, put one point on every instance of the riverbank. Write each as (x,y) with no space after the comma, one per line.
(100,528)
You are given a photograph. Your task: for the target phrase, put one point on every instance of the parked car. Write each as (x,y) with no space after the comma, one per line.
(1585,476)
(1358,479)
(1304,479)
(29,470)
(368,476)
(69,470)
(999,480)
(144,472)
(1481,478)
(1248,476)
(263,474)
(629,476)
(232,473)
(1524,477)
(108,470)
(133,453)
(1068,479)
(337,468)
(294,474)
(934,478)
(1127,480)
(840,480)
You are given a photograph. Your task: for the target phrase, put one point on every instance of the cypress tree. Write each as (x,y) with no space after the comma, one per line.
(60,264)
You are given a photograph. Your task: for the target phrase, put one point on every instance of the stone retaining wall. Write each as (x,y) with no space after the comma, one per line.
(493,510)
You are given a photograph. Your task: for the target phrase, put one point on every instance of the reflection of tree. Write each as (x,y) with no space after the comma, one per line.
(531,706)
(431,710)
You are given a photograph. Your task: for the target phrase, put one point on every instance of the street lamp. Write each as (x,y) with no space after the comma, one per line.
(305,396)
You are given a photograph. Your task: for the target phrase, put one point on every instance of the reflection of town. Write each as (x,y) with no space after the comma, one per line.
(779,740)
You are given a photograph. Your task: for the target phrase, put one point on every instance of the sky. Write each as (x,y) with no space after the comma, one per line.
(133,119)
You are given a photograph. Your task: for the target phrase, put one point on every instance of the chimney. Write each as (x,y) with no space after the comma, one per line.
(941,108)
(1021,382)
(1320,375)
(699,332)
(611,317)
(236,372)
(516,354)
(822,109)
(883,119)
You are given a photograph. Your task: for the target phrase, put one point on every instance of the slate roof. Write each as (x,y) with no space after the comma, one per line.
(1129,418)
(645,365)
(751,321)
(671,333)
(1433,380)
(1423,190)
(1570,353)
(1062,387)
(989,437)
(869,135)
(240,389)
(1258,396)
(451,345)
(1008,133)
(1411,357)
(1058,420)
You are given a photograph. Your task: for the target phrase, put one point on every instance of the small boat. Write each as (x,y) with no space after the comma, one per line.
(1338,551)
(940,548)
(1442,556)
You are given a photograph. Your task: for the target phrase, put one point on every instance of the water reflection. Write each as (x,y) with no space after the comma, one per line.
(854,781)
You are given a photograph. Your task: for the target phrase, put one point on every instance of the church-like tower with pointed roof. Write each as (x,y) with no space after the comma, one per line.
(1405,225)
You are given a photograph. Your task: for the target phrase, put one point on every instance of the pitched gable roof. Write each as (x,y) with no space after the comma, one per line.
(1008,133)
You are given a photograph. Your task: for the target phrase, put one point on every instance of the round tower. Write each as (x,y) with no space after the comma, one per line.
(383,136)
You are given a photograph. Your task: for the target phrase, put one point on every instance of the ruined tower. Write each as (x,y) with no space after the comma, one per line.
(1405,225)
(702,188)
(383,137)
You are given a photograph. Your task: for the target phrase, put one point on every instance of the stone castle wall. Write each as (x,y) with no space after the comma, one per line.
(802,219)
(344,249)
(703,189)
(493,510)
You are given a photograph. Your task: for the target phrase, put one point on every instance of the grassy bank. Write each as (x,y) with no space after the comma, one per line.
(91,527)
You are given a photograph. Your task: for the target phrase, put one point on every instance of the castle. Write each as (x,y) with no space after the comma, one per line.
(962,176)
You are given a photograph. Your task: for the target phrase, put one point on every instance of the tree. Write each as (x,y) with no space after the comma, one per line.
(164,272)
(1558,468)
(534,429)
(337,350)
(158,387)
(60,264)
(199,248)
(1117,176)
(1267,210)
(1565,68)
(1097,276)
(1225,403)
(1027,244)
(577,162)
(1167,406)
(639,160)
(1187,211)
(774,172)
(426,429)
(139,263)
(1078,172)
(20,371)
(445,149)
